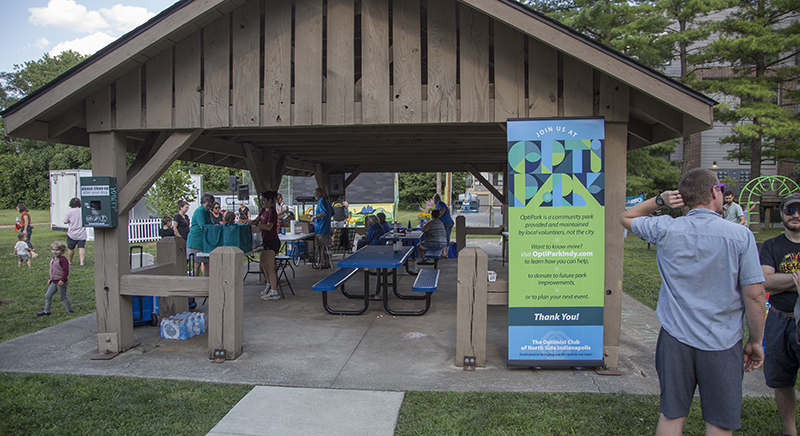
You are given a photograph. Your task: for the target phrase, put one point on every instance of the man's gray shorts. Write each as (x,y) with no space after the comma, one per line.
(718,374)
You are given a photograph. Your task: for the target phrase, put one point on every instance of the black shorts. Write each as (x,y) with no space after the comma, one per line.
(71,243)
(782,352)
(273,244)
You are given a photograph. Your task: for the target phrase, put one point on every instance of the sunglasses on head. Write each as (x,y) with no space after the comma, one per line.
(721,187)
(789,211)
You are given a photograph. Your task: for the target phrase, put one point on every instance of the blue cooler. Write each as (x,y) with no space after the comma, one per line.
(145,310)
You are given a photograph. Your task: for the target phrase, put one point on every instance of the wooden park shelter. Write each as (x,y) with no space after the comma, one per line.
(314,87)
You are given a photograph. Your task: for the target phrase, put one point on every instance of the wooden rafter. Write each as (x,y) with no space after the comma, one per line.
(177,142)
(471,168)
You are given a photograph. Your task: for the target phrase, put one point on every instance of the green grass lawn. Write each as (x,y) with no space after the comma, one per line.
(22,289)
(8,217)
(41,404)
(62,404)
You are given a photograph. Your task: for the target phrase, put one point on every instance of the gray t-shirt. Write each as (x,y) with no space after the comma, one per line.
(704,261)
(733,212)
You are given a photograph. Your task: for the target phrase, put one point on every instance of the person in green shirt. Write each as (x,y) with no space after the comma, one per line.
(201,217)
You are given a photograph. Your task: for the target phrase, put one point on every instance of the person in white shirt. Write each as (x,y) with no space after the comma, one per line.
(76,234)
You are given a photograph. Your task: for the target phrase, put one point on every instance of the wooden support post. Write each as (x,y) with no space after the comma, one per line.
(615,108)
(172,251)
(321,176)
(461,232)
(225,302)
(471,306)
(257,166)
(616,149)
(114,312)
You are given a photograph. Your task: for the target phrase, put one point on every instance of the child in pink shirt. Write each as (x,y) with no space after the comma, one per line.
(59,271)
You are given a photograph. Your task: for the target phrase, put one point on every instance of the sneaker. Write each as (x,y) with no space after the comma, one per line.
(70,311)
(271,295)
(42,313)
(266,290)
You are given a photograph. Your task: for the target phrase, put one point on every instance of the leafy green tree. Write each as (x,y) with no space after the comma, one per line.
(633,28)
(24,164)
(417,188)
(649,173)
(215,178)
(690,26)
(761,41)
(175,184)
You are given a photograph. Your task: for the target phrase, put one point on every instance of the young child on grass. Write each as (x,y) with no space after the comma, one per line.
(22,251)
(59,271)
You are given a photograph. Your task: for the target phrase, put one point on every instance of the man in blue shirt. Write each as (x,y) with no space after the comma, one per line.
(711,282)
(322,228)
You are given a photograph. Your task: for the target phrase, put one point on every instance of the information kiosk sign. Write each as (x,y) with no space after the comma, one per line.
(556,241)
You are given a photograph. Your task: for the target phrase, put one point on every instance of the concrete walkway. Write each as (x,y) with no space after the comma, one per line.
(305,359)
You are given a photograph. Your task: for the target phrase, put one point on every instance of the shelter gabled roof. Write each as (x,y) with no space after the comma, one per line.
(337,88)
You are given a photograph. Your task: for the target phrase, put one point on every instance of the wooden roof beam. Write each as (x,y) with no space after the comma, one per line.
(641,130)
(352,177)
(66,121)
(173,147)
(146,151)
(471,168)
(665,115)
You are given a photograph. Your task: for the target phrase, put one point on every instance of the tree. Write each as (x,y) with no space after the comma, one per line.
(649,173)
(32,75)
(633,28)
(214,178)
(175,184)
(24,164)
(417,188)
(760,40)
(689,27)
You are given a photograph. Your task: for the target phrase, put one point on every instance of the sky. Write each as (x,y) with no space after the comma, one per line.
(32,28)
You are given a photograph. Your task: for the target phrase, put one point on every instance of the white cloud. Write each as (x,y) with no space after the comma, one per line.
(41,43)
(126,18)
(69,15)
(87,45)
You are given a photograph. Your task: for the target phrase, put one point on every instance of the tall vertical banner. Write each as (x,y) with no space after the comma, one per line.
(556,218)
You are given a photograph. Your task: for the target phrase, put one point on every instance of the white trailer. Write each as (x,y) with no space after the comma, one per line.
(64,186)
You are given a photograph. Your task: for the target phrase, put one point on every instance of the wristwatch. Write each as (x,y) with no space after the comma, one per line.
(659,200)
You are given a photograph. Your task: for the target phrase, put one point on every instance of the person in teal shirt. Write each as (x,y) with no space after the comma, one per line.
(200,218)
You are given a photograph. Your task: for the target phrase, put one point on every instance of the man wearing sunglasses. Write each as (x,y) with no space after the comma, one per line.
(711,283)
(780,258)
